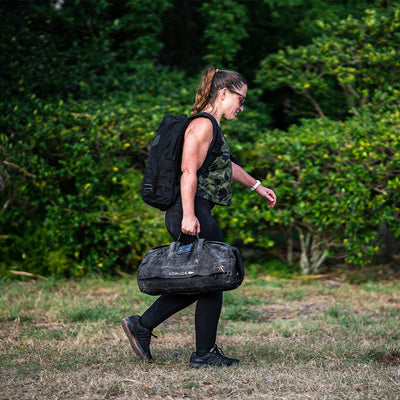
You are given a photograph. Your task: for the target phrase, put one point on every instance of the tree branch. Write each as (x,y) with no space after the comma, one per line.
(313,102)
(18,168)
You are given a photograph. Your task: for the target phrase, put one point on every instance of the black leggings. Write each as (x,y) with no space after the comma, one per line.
(208,307)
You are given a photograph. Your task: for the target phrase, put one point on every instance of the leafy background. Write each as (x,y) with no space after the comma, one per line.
(84,85)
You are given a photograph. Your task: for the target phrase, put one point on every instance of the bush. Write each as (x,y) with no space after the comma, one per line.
(83,49)
(79,113)
(336,182)
(72,173)
(338,74)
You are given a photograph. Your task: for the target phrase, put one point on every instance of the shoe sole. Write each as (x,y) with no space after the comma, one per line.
(137,348)
(197,366)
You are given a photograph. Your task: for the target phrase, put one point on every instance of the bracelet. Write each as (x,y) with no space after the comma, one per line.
(256,185)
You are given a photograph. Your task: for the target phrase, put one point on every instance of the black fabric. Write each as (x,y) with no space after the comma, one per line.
(160,184)
(208,225)
(203,266)
(216,144)
(208,307)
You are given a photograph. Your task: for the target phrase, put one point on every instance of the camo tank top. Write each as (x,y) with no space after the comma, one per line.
(215,183)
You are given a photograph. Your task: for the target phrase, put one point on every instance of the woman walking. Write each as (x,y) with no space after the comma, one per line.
(221,93)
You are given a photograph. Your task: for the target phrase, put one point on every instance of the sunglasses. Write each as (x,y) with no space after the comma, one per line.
(243,98)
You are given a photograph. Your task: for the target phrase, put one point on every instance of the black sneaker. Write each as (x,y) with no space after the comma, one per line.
(139,336)
(215,357)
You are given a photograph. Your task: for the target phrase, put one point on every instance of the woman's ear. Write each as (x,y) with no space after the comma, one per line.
(222,94)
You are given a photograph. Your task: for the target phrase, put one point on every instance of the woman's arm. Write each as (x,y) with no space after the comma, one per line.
(242,177)
(198,138)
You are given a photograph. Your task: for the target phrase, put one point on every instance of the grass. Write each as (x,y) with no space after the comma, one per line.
(322,339)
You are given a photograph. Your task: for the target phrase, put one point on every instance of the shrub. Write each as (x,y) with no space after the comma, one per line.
(72,173)
(338,74)
(336,182)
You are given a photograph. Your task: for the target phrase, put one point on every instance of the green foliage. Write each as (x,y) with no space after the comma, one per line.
(72,201)
(40,58)
(224,31)
(136,31)
(84,86)
(340,71)
(273,267)
(84,49)
(335,181)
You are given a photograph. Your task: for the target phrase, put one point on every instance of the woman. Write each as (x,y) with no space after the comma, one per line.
(220,94)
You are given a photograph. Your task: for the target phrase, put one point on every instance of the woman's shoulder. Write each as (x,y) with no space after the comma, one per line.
(201,126)
(201,123)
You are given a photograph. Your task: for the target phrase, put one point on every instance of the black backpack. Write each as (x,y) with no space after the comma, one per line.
(161,178)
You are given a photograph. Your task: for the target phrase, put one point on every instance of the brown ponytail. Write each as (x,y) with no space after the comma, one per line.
(213,80)
(203,92)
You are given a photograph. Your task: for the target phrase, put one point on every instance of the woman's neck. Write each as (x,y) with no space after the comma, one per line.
(213,112)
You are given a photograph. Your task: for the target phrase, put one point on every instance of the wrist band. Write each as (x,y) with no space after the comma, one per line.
(256,185)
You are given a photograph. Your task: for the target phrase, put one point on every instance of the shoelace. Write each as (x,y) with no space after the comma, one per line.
(218,350)
(145,337)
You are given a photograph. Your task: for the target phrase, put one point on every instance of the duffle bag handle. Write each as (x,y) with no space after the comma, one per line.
(178,248)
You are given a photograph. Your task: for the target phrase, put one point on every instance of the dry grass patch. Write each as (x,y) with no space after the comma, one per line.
(324,340)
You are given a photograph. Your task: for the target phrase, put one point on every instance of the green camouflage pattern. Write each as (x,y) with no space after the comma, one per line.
(215,184)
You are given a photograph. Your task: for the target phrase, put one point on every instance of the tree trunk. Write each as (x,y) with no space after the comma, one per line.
(314,250)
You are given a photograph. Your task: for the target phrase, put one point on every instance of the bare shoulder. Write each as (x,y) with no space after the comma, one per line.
(202,128)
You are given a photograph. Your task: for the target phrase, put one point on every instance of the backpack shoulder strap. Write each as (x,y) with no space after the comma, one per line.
(215,147)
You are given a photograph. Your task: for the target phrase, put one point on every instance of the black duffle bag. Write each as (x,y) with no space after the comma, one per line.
(203,266)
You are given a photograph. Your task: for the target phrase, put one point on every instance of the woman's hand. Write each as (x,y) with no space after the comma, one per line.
(242,177)
(268,194)
(190,225)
